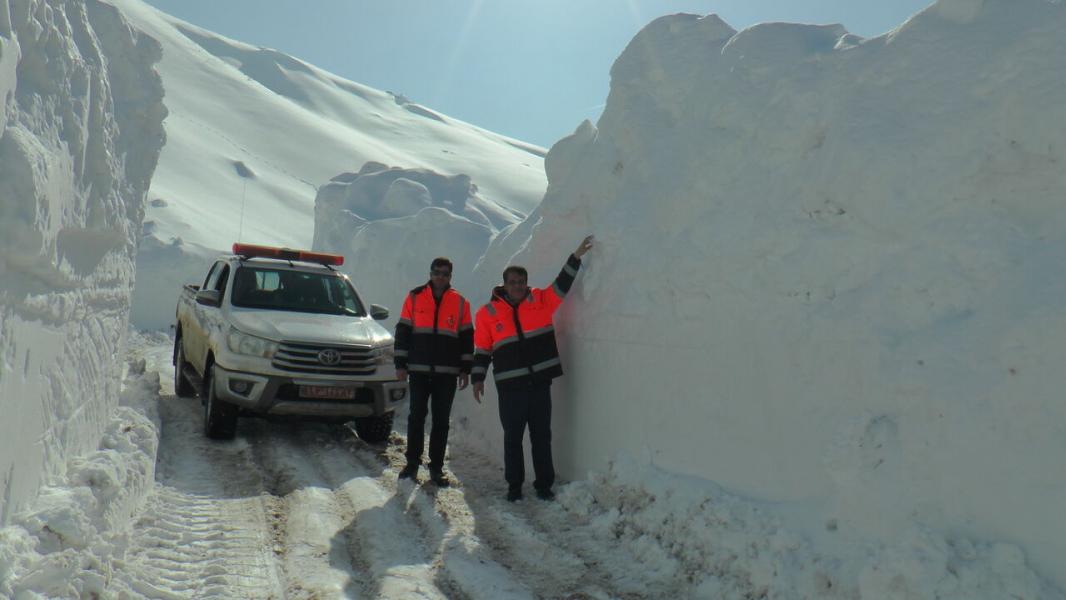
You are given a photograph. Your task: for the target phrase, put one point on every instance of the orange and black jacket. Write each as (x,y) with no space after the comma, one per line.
(520,340)
(434,337)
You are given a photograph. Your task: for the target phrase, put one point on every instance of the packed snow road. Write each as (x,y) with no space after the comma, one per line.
(307,510)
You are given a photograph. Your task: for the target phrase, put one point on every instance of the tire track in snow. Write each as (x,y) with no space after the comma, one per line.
(598,567)
(463,568)
(315,512)
(380,531)
(205,530)
(340,540)
(541,543)
(447,522)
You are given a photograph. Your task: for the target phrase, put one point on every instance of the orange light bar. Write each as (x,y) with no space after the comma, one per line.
(253,251)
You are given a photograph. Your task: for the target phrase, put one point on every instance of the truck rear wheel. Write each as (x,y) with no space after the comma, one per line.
(220,417)
(182,387)
(374,430)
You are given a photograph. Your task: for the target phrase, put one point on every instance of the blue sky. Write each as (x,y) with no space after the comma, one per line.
(530,69)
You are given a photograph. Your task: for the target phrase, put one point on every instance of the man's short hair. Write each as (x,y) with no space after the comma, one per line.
(517,270)
(441,261)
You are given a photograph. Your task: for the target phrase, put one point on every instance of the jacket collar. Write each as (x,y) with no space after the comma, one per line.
(500,293)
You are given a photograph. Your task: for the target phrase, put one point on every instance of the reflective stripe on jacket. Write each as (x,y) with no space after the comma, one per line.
(520,341)
(434,337)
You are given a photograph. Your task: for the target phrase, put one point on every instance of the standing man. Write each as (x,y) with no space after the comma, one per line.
(514,331)
(434,349)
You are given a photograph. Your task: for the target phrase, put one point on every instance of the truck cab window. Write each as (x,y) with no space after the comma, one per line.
(212,276)
(220,285)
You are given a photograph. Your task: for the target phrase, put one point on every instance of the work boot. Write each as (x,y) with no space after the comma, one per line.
(410,471)
(546,494)
(514,494)
(438,477)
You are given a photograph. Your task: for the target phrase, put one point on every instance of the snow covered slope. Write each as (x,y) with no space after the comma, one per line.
(254,128)
(829,274)
(80,133)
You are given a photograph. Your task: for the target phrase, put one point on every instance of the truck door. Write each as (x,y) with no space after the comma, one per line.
(214,322)
(196,337)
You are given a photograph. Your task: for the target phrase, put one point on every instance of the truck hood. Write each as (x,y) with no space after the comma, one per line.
(309,327)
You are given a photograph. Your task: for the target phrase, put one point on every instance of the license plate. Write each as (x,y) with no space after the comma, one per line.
(327,392)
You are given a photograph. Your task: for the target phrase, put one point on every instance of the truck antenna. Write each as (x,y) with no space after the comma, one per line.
(244,194)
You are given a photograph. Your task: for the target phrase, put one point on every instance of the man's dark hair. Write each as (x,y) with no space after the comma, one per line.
(517,271)
(441,261)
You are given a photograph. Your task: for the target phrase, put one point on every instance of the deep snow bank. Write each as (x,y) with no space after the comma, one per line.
(73,541)
(81,127)
(829,272)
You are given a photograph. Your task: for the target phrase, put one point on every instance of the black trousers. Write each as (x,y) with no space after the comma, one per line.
(521,406)
(424,388)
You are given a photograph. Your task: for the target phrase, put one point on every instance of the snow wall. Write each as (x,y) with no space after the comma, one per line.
(828,278)
(81,124)
(829,274)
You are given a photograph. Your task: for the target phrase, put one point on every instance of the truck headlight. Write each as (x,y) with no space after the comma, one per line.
(250,345)
(384,355)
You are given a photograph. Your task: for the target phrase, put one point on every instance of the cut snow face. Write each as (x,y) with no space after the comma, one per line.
(80,132)
(828,272)
(253,132)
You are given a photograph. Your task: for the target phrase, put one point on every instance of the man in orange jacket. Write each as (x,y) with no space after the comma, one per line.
(514,331)
(434,349)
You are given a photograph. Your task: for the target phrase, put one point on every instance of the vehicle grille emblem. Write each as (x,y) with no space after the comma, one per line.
(329,357)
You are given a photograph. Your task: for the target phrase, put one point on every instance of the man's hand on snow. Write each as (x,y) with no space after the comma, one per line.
(464,380)
(479,388)
(583,247)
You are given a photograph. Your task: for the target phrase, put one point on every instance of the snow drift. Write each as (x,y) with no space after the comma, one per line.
(829,275)
(390,223)
(81,124)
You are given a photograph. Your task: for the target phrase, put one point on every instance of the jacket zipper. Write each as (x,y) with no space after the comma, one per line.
(521,337)
(436,317)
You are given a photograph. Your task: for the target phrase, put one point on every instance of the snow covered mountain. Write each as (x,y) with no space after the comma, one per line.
(253,133)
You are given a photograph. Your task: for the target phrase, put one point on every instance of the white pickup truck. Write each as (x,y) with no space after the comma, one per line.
(274,331)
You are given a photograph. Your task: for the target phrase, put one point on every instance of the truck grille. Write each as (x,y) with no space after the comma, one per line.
(304,358)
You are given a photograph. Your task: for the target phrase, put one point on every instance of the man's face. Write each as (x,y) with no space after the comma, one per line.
(440,276)
(515,286)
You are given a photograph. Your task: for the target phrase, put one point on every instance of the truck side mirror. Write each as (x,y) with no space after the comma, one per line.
(378,312)
(208,297)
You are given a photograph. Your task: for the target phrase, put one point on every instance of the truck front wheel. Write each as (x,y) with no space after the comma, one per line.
(220,417)
(374,430)
(182,387)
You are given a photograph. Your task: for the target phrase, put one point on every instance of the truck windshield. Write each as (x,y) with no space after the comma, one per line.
(282,289)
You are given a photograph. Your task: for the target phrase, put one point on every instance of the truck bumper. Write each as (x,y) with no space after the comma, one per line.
(279,395)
